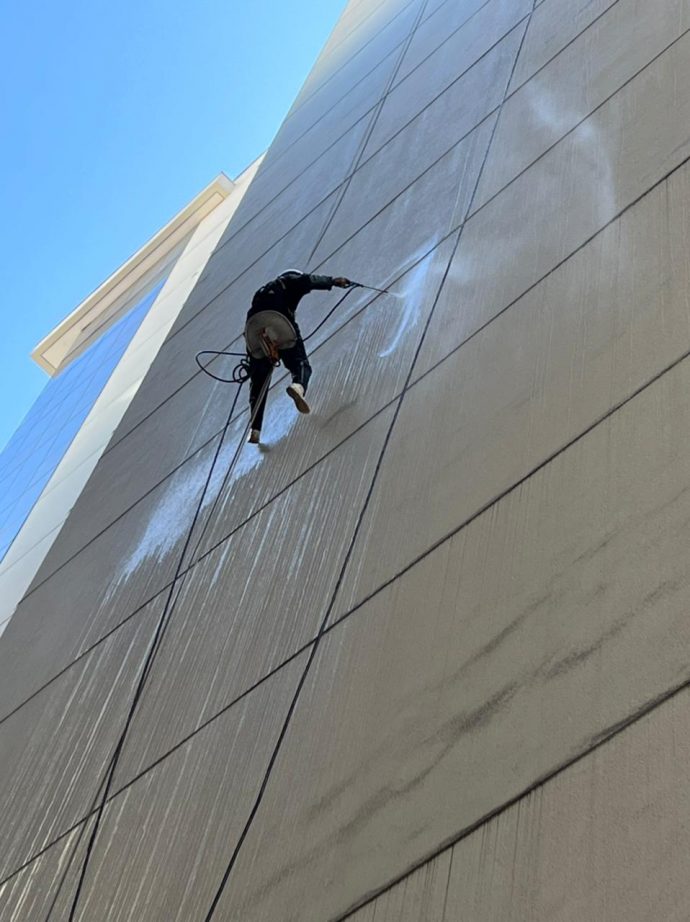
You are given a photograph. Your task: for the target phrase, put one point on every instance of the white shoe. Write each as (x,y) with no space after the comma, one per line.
(296,391)
(254,437)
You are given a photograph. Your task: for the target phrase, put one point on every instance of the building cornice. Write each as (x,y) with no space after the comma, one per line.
(131,278)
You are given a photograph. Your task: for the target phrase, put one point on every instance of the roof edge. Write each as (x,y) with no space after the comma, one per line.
(136,267)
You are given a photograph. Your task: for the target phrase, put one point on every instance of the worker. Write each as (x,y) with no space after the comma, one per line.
(283,294)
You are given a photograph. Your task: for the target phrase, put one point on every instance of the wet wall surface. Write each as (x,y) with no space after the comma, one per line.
(423,654)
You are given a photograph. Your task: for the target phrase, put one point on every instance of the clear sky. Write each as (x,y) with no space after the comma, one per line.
(113,116)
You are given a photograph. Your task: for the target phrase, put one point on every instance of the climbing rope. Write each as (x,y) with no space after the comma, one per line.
(240,372)
(239,376)
(102,794)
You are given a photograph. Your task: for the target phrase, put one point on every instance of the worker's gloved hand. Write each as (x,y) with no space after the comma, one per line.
(341,282)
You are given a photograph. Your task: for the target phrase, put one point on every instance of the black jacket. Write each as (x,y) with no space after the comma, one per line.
(284,293)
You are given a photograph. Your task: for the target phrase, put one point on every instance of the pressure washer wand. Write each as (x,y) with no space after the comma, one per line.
(383,291)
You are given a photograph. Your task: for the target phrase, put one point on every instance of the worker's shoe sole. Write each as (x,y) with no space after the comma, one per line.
(296,391)
(254,437)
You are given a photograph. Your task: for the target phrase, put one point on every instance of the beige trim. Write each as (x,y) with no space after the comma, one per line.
(110,298)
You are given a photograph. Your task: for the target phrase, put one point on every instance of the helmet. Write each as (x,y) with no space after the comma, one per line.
(291,274)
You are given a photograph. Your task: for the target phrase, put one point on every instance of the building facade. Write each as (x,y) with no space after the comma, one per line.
(423,654)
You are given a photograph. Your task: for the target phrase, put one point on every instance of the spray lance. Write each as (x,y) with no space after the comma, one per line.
(383,291)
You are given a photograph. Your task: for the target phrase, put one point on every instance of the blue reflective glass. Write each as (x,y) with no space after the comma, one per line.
(46,432)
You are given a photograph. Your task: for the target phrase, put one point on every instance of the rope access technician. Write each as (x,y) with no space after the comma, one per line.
(272,335)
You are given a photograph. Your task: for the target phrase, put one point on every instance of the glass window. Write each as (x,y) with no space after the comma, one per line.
(46,432)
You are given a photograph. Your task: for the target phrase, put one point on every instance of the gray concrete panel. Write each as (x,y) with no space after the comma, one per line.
(589,177)
(29,896)
(298,199)
(540,374)
(433,5)
(344,79)
(553,26)
(152,451)
(502,655)
(418,146)
(358,10)
(175,366)
(420,897)
(191,808)
(55,749)
(416,91)
(463,104)
(280,167)
(549,858)
(412,224)
(590,70)
(623,857)
(440,25)
(105,583)
(373,38)
(370,15)
(255,601)
(370,192)
(354,100)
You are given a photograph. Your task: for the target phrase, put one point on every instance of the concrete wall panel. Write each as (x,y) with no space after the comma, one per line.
(410,226)
(437,72)
(105,583)
(589,71)
(223,639)
(552,27)
(193,803)
(372,38)
(459,108)
(297,200)
(372,190)
(56,748)
(576,346)
(419,897)
(549,860)
(46,885)
(505,653)
(591,176)
(442,25)
(391,38)
(315,154)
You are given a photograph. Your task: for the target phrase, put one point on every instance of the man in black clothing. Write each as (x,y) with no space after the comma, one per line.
(283,294)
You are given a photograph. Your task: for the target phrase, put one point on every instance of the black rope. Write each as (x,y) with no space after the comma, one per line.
(163,622)
(322,628)
(329,314)
(240,374)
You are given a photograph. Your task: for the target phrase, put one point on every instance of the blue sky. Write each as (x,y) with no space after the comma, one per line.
(113,116)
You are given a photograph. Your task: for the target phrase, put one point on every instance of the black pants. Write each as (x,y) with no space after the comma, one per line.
(296,362)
